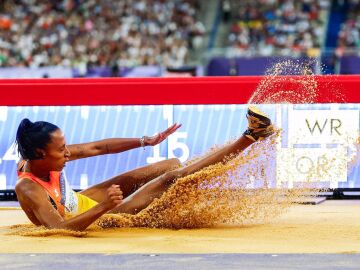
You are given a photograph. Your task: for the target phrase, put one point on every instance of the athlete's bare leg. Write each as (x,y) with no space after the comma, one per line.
(155,188)
(132,180)
(259,127)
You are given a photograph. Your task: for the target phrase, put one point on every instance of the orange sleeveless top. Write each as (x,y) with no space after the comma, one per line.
(58,189)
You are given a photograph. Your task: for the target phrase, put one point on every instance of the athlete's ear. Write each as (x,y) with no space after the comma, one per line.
(40,153)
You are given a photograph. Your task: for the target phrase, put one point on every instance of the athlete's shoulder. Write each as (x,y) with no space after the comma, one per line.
(25,187)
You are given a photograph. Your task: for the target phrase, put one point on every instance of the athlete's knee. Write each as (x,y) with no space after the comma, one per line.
(174,162)
(169,164)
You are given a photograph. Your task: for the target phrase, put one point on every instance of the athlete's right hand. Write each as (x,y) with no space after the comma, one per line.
(114,196)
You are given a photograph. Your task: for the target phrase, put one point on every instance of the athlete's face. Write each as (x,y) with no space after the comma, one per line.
(56,152)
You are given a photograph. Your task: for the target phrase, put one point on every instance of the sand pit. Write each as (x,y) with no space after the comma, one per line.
(330,227)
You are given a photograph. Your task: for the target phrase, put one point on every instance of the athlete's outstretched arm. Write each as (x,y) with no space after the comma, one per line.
(117,145)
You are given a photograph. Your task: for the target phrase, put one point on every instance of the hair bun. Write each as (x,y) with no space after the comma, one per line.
(25,124)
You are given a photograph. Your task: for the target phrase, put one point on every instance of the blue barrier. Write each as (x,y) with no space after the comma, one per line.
(312,134)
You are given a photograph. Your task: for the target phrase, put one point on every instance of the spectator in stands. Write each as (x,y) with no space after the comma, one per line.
(226,10)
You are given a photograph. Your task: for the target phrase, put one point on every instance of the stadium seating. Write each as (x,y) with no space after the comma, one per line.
(83,33)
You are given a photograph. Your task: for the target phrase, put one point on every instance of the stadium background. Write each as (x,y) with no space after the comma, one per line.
(94,39)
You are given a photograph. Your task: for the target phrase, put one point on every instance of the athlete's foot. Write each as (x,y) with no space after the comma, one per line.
(260,125)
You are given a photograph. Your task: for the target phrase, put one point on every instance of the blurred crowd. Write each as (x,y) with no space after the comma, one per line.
(81,33)
(349,34)
(285,27)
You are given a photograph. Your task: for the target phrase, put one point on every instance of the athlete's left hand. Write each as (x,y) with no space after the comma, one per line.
(159,137)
